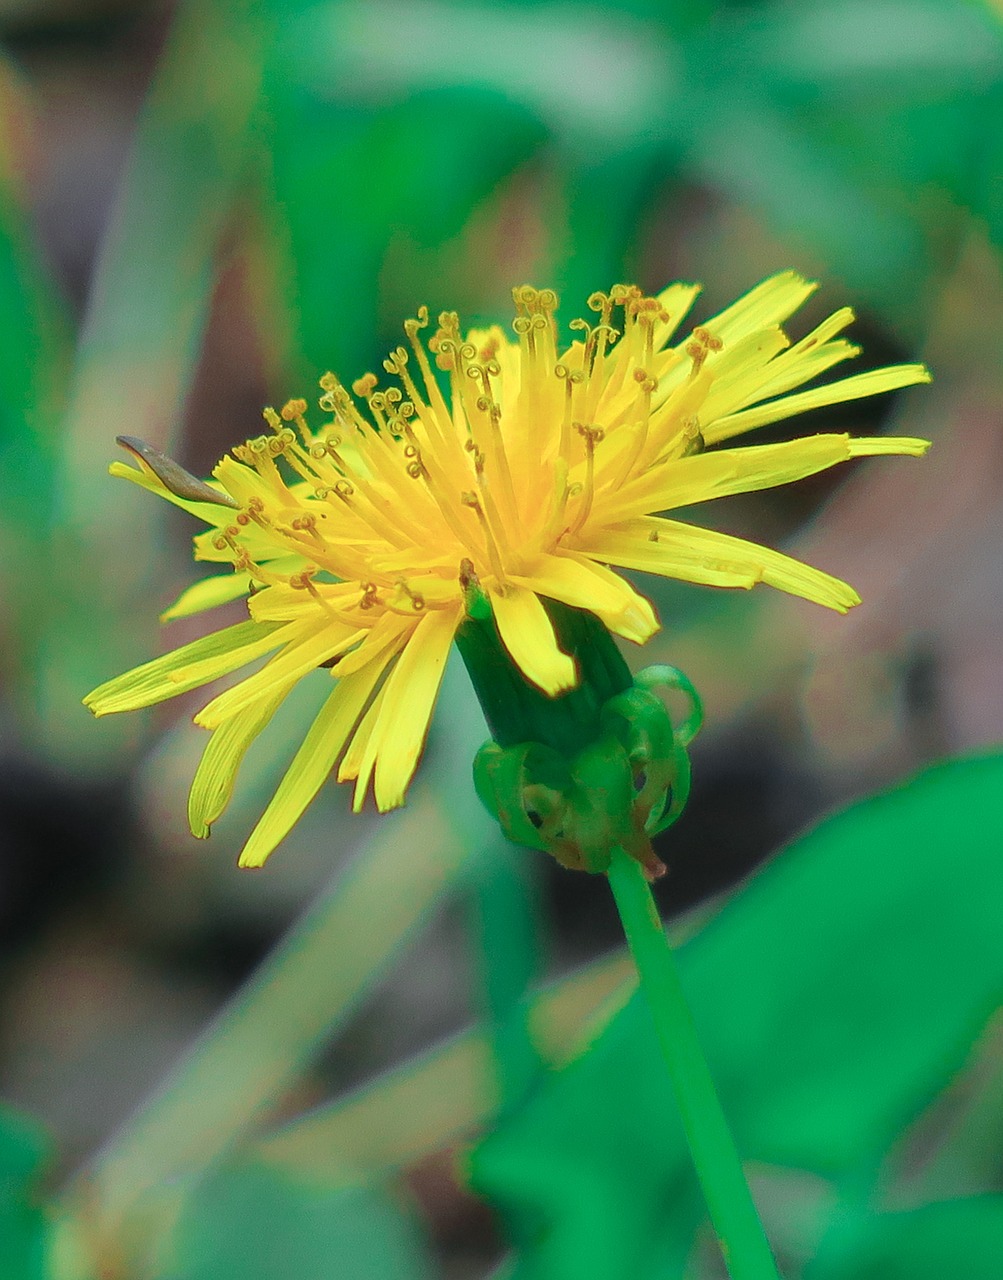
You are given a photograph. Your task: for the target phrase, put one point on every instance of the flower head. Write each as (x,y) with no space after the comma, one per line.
(525,470)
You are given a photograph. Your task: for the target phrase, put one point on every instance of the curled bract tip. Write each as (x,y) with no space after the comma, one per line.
(626,786)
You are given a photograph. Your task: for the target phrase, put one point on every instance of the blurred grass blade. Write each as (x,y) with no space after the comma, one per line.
(34,338)
(962,1238)
(307,1232)
(24,1153)
(444,1094)
(140,341)
(505,932)
(326,966)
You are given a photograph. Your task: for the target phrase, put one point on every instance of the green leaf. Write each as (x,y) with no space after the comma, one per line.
(835,995)
(24,1150)
(250,1222)
(962,1238)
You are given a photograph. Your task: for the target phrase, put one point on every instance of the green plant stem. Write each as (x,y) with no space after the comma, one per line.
(719,1169)
(506,929)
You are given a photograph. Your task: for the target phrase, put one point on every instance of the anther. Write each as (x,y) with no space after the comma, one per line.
(416,598)
(591,435)
(293,409)
(703,342)
(395,361)
(420,321)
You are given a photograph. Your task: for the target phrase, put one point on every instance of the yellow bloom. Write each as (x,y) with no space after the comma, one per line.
(357,544)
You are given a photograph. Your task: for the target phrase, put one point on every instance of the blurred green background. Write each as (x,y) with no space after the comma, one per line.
(204,206)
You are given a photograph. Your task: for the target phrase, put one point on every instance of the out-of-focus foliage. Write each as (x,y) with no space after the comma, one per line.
(24,1152)
(250,1220)
(956,1237)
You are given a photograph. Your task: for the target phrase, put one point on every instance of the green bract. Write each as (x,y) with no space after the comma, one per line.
(598,767)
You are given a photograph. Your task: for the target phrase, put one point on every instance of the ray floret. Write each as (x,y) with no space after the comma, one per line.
(531,464)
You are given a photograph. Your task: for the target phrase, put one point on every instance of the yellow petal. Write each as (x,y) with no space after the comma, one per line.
(208,593)
(812,355)
(360,760)
(281,602)
(528,635)
(311,765)
(719,474)
(407,705)
(855,388)
(216,774)
(770,302)
(183,669)
(310,643)
(385,639)
(210,512)
(676,300)
(740,369)
(575,580)
(357,758)
(692,554)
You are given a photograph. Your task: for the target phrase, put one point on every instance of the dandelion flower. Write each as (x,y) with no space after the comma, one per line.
(526,469)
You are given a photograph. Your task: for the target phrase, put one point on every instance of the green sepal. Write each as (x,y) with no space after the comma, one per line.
(515,709)
(629,782)
(662,676)
(501,781)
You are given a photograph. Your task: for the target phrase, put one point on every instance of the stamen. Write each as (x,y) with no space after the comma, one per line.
(639,428)
(304,582)
(592,436)
(701,345)
(472,501)
(416,598)
(293,411)
(435,399)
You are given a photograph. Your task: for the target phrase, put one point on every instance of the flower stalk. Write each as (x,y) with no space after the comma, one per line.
(732,1211)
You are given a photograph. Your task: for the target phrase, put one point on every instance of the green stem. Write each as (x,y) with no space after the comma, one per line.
(719,1169)
(506,927)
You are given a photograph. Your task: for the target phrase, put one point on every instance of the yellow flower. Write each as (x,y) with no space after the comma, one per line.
(358,544)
